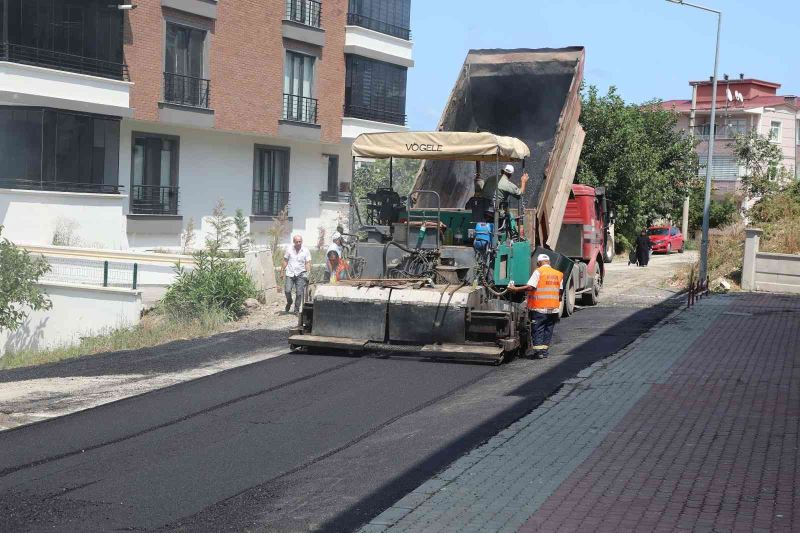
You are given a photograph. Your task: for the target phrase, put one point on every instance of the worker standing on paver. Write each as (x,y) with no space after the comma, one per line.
(296,268)
(544,289)
(499,189)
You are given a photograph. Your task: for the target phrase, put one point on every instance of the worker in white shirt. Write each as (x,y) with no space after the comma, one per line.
(296,267)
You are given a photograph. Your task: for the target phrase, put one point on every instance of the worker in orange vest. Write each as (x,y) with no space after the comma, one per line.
(545,289)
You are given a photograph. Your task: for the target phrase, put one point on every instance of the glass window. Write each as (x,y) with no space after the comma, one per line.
(392,17)
(184,51)
(775,130)
(333,174)
(76,35)
(797,131)
(154,174)
(658,231)
(725,167)
(271,180)
(375,90)
(298,88)
(20,144)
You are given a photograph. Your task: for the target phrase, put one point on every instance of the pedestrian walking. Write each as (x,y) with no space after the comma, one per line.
(545,289)
(296,268)
(643,246)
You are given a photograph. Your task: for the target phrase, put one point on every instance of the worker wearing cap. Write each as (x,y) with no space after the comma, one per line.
(544,289)
(499,190)
(337,245)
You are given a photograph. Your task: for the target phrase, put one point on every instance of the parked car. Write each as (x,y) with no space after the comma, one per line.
(666,239)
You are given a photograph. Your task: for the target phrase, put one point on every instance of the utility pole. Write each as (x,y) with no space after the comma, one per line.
(711,134)
(685,221)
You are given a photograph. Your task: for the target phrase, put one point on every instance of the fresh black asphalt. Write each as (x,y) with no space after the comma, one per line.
(295,443)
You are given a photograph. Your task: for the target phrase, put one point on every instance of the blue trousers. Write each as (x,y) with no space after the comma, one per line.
(542,325)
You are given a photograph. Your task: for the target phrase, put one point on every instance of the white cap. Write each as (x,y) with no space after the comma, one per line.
(543,257)
(336,235)
(509,169)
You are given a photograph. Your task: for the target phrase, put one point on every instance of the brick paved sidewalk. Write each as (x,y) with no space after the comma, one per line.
(694,426)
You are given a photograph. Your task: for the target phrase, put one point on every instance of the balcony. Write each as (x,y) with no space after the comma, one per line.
(354,19)
(39,57)
(186,90)
(305,12)
(59,186)
(299,109)
(375,114)
(703,131)
(154,200)
(269,203)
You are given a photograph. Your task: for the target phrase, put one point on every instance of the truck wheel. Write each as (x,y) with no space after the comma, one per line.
(608,252)
(568,303)
(593,295)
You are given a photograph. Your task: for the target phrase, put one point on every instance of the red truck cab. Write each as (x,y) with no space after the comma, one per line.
(587,239)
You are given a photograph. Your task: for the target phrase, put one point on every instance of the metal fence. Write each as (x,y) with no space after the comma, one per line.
(154,200)
(186,90)
(94,272)
(40,57)
(308,12)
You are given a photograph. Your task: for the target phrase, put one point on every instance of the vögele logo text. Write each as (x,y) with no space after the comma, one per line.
(415,147)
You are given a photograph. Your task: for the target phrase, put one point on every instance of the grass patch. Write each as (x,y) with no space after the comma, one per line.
(153,330)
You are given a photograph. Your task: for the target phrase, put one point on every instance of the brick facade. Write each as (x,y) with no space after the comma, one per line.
(246,61)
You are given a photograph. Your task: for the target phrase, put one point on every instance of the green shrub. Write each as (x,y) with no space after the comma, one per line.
(19,293)
(214,284)
(621,243)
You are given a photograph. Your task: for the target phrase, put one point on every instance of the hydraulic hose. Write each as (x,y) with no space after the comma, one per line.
(386,249)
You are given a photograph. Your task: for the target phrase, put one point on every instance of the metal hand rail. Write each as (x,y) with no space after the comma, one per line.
(354,19)
(186,90)
(374,113)
(268,202)
(154,200)
(300,108)
(40,57)
(59,186)
(308,12)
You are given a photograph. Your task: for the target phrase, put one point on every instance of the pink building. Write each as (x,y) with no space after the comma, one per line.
(742,105)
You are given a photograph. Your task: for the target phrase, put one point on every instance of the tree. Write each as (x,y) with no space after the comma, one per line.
(241,233)
(221,229)
(721,212)
(19,293)
(762,161)
(646,164)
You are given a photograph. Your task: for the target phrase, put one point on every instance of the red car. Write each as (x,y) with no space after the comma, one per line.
(666,239)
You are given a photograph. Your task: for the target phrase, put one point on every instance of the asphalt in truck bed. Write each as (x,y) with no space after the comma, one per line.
(296,443)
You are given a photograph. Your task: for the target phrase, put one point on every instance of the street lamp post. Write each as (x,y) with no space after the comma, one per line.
(711,133)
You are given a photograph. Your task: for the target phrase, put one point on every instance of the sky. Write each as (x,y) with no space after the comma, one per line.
(646,48)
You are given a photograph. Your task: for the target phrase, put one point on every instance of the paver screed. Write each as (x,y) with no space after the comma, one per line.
(693,425)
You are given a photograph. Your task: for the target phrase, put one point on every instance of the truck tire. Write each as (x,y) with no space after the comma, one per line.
(591,296)
(608,250)
(568,303)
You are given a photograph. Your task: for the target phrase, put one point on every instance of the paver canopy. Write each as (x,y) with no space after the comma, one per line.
(440,145)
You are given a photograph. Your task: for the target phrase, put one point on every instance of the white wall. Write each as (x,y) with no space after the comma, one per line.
(379,46)
(26,80)
(77,311)
(215,165)
(32,217)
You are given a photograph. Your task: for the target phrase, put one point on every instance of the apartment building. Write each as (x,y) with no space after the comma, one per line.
(122,121)
(743,104)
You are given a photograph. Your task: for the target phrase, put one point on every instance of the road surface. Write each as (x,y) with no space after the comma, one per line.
(298,442)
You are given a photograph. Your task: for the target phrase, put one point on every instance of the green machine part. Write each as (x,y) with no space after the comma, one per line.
(513,262)
(458,221)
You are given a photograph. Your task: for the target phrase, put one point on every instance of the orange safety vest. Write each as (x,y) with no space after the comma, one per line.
(545,295)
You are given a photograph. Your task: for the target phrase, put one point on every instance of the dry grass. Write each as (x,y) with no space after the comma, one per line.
(725,254)
(782,237)
(153,330)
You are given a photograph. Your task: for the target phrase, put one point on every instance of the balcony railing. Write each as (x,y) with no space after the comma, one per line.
(720,132)
(306,12)
(154,200)
(354,19)
(376,114)
(269,203)
(186,90)
(40,57)
(59,186)
(299,108)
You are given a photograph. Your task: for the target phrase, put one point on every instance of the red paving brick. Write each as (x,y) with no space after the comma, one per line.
(714,448)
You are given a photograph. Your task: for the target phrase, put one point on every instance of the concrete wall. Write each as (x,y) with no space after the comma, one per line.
(768,272)
(215,165)
(77,311)
(90,220)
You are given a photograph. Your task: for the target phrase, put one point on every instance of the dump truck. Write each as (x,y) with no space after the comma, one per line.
(431,270)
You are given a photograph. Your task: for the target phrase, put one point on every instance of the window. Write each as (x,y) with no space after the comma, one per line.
(75,35)
(392,17)
(184,83)
(270,180)
(775,131)
(331,194)
(673,231)
(725,168)
(298,88)
(54,149)
(154,174)
(797,131)
(304,12)
(375,90)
